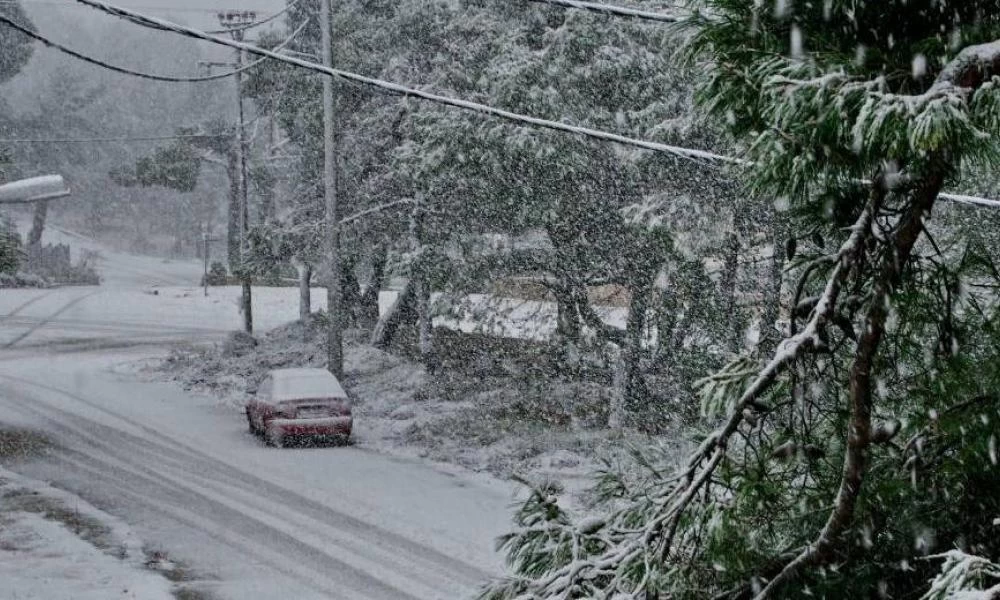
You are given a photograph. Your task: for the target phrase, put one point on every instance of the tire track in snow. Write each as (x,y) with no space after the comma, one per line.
(351,552)
(163,500)
(253,490)
(114,326)
(17,310)
(90,345)
(66,307)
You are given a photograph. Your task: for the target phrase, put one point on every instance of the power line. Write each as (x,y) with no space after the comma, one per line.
(688,153)
(66,50)
(152,138)
(617,11)
(159,24)
(56,4)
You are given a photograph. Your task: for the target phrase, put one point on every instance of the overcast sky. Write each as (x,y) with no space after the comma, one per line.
(89,30)
(128,45)
(197,13)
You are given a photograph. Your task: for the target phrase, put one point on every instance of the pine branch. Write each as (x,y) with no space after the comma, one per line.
(859,426)
(657,538)
(971,69)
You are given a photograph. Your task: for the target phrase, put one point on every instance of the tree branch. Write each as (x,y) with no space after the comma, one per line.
(859,427)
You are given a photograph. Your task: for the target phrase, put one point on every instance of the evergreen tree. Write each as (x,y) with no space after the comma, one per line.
(17,47)
(868,439)
(11,250)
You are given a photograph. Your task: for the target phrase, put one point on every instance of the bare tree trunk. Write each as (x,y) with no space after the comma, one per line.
(425,343)
(666,325)
(422,289)
(616,412)
(305,290)
(634,390)
(350,291)
(769,333)
(38,224)
(400,310)
(567,318)
(369,310)
(567,334)
(728,282)
(629,389)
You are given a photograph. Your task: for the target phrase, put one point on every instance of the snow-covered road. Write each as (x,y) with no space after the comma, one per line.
(251,521)
(303,523)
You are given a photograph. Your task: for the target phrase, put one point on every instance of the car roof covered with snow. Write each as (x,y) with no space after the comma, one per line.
(296,384)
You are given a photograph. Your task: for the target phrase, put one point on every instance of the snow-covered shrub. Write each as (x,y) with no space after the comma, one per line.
(217,274)
(238,343)
(23,280)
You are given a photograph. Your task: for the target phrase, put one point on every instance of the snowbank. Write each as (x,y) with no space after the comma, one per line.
(42,558)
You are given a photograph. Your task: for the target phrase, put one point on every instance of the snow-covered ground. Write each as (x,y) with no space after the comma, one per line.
(259,523)
(180,469)
(42,558)
(303,523)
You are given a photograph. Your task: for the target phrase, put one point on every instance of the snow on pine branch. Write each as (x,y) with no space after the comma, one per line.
(963,576)
(637,537)
(960,104)
(972,62)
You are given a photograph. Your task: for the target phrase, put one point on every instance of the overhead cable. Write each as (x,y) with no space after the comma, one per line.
(617,11)
(401,90)
(687,153)
(69,4)
(152,138)
(126,71)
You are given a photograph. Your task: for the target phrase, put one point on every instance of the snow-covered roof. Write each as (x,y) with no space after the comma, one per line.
(303,383)
(35,188)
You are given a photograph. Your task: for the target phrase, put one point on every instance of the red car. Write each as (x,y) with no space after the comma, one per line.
(294,403)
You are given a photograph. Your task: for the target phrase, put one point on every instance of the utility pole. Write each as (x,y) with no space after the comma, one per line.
(206,240)
(334,295)
(236,21)
(204,251)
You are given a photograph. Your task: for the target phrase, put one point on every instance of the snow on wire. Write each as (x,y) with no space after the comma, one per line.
(395,88)
(616,11)
(125,71)
(401,90)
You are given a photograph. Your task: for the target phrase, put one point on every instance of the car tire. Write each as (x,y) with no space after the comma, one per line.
(275,438)
(250,424)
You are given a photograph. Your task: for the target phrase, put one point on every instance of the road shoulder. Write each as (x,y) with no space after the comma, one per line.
(56,546)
